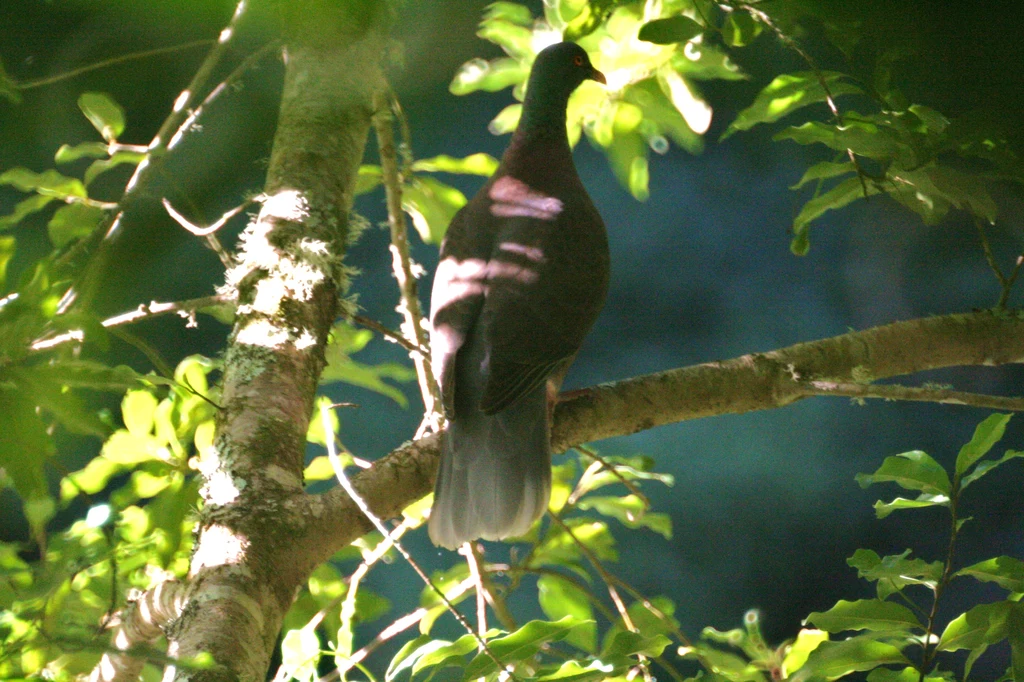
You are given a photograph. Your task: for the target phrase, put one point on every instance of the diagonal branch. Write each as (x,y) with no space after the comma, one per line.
(758,381)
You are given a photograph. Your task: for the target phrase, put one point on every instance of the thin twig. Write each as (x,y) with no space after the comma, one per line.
(912,393)
(1005,282)
(472,560)
(208,232)
(50,80)
(186,309)
(611,468)
(376,326)
(491,595)
(409,308)
(339,473)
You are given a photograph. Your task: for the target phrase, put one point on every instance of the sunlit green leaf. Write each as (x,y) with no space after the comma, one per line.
(72,222)
(478,74)
(24,443)
(448,654)
(631,511)
(626,643)
(65,406)
(49,183)
(431,204)
(474,164)
(560,597)
(894,572)
(104,113)
(7,246)
(865,614)
(1005,571)
(807,640)
(907,674)
(883,509)
(521,644)
(977,629)
(411,652)
(787,93)
(986,435)
(97,168)
(832,660)
(677,29)
(300,652)
(914,470)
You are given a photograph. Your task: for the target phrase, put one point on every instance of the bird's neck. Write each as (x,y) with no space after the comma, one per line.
(540,140)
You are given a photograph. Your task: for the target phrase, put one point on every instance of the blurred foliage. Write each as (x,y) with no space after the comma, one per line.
(135,499)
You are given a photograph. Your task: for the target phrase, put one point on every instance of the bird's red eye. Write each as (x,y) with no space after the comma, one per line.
(577,60)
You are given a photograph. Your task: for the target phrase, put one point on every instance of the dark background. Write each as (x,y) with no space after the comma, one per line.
(765,509)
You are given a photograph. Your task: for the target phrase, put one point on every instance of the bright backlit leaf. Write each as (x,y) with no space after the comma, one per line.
(865,614)
(104,113)
(832,660)
(787,93)
(1005,571)
(986,435)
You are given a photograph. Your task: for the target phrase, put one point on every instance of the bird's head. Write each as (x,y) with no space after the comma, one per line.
(559,69)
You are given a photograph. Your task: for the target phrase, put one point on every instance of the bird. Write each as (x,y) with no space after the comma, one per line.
(523,273)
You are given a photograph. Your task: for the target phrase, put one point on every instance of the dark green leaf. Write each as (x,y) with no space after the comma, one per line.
(73,222)
(709,63)
(104,113)
(740,28)
(1005,571)
(656,619)
(431,204)
(677,29)
(520,645)
(560,597)
(90,374)
(93,150)
(865,614)
(1015,634)
(831,660)
(786,94)
(914,470)
(933,120)
(842,194)
(474,164)
(44,391)
(25,207)
(24,443)
(985,436)
(340,367)
(862,137)
(988,465)
(97,168)
(49,183)
(8,86)
(823,171)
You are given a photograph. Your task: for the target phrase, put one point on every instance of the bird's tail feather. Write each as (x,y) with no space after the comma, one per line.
(495,474)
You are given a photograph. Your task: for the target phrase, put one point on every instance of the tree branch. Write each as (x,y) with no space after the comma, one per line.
(758,381)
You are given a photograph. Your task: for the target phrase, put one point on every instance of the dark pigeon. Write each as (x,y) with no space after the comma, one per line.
(522,276)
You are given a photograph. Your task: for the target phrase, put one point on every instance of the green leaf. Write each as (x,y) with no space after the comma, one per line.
(907,674)
(49,183)
(24,208)
(73,222)
(837,197)
(559,597)
(138,410)
(626,643)
(520,645)
(638,468)
(933,120)
(914,470)
(865,614)
(448,654)
(1015,634)
(24,444)
(894,572)
(90,374)
(345,340)
(977,629)
(862,137)
(823,171)
(92,150)
(883,509)
(474,164)
(677,29)
(8,86)
(479,74)
(832,660)
(631,511)
(988,465)
(97,168)
(806,641)
(7,246)
(410,653)
(105,115)
(740,28)
(66,407)
(1005,571)
(300,653)
(787,93)
(986,435)
(431,204)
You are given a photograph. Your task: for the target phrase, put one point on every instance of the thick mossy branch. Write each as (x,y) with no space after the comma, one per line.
(758,381)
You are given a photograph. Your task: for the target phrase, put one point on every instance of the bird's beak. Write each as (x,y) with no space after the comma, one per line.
(599,77)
